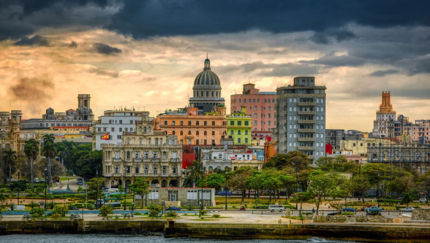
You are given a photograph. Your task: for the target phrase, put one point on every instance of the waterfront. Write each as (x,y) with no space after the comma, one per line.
(113,238)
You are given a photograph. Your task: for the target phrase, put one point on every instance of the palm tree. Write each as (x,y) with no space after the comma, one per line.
(64,148)
(31,150)
(49,152)
(10,158)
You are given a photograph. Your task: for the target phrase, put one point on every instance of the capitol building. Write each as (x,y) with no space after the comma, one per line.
(207,90)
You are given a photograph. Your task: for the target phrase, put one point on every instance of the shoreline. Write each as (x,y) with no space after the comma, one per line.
(170,229)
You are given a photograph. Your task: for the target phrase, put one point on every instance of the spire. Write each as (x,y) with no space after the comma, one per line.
(207,63)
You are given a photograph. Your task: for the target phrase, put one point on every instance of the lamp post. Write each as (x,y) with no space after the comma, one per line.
(45,170)
(297,180)
(18,186)
(377,190)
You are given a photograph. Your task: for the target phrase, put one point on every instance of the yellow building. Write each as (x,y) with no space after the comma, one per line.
(360,146)
(239,127)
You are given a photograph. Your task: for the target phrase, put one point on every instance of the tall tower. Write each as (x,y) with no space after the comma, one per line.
(84,101)
(384,117)
(84,112)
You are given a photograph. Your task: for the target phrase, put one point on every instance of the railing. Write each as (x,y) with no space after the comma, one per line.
(306,139)
(306,148)
(138,160)
(306,130)
(306,121)
(306,112)
(306,103)
(116,159)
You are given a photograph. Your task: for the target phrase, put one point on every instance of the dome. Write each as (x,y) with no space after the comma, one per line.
(207,77)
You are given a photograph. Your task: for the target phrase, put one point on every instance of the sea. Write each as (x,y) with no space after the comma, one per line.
(113,238)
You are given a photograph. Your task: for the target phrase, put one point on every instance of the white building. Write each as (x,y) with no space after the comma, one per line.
(112,125)
(228,158)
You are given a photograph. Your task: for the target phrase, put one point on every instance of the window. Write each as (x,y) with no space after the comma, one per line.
(240,100)
(137,155)
(213,133)
(128,169)
(213,123)
(246,123)
(244,100)
(120,121)
(116,169)
(120,129)
(189,123)
(155,171)
(173,132)
(253,100)
(255,108)
(246,140)
(182,123)
(255,124)
(197,123)
(239,123)
(197,133)
(146,155)
(231,123)
(238,140)
(182,133)
(128,155)
(246,132)
(118,136)
(165,122)
(174,170)
(238,132)
(112,129)
(265,100)
(189,132)
(255,115)
(164,170)
(154,155)
(136,170)
(232,132)
(269,108)
(205,133)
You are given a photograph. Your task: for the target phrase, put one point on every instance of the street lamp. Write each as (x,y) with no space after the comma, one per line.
(377,191)
(297,180)
(45,170)
(18,186)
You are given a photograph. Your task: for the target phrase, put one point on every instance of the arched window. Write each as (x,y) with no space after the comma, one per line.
(189,132)
(182,132)
(128,155)
(213,133)
(173,132)
(140,141)
(144,129)
(197,133)
(205,133)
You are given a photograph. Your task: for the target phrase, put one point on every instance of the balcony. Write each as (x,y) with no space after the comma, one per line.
(138,160)
(306,103)
(306,148)
(117,160)
(306,139)
(306,130)
(306,112)
(306,121)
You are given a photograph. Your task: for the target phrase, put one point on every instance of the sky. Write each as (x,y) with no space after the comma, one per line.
(146,54)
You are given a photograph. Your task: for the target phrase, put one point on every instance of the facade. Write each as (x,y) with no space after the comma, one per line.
(81,117)
(192,128)
(239,127)
(229,158)
(384,116)
(360,146)
(179,197)
(301,118)
(416,156)
(335,136)
(11,135)
(112,125)
(144,153)
(261,107)
(207,90)
(419,132)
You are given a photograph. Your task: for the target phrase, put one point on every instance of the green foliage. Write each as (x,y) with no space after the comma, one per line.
(37,212)
(294,159)
(358,184)
(321,185)
(171,214)
(56,215)
(154,210)
(407,198)
(213,181)
(120,188)
(140,187)
(196,173)
(203,212)
(106,210)
(137,213)
(61,210)
(216,216)
(94,187)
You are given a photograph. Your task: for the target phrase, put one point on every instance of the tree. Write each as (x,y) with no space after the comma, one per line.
(294,159)
(49,152)
(94,187)
(407,198)
(106,210)
(31,150)
(359,184)
(331,164)
(64,149)
(272,182)
(2,199)
(238,179)
(61,210)
(424,184)
(140,187)
(341,192)
(321,184)
(85,164)
(196,172)
(10,158)
(402,185)
(289,182)
(212,181)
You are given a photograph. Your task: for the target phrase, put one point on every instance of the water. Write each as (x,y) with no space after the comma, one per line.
(111,238)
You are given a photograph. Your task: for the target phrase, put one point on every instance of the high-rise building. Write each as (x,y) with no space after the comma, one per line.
(385,116)
(207,90)
(260,106)
(301,118)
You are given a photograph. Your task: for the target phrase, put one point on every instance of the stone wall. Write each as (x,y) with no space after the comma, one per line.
(356,218)
(421,214)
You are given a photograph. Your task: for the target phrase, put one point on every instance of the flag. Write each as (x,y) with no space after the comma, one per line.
(106,137)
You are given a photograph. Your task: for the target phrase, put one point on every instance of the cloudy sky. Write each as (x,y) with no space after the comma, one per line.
(145,54)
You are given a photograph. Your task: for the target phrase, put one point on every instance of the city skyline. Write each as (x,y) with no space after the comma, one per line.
(122,62)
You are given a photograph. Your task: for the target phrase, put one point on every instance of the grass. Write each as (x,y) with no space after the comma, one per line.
(65,178)
(205,219)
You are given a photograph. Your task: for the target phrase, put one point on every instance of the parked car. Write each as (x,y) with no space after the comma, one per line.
(423,200)
(407,209)
(400,198)
(349,210)
(274,208)
(373,210)
(222,193)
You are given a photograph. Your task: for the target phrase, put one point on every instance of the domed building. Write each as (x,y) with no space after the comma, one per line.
(207,90)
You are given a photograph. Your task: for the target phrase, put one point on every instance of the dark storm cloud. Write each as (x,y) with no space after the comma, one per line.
(106,49)
(269,70)
(382,73)
(36,40)
(146,18)
(337,61)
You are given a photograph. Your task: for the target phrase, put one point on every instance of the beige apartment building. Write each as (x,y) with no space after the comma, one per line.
(361,146)
(144,153)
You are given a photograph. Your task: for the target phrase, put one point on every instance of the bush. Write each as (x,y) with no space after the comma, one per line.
(203,212)
(172,214)
(347,213)
(215,216)
(56,216)
(61,210)
(137,213)
(105,210)
(37,212)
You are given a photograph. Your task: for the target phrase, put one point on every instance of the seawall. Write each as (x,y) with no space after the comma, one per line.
(365,232)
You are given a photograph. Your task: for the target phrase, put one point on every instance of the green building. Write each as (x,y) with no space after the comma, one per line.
(239,127)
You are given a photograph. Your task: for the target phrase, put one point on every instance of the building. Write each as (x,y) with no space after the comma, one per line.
(109,128)
(11,135)
(207,90)
(228,157)
(335,136)
(419,132)
(360,146)
(239,127)
(178,197)
(261,107)
(416,156)
(301,118)
(144,153)
(81,117)
(384,116)
(191,128)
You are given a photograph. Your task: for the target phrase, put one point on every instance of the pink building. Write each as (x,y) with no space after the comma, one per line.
(261,106)
(421,129)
